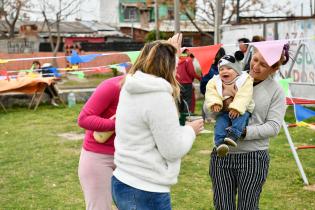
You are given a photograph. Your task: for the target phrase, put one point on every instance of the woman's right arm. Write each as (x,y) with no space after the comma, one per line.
(90,116)
(172,140)
(271,126)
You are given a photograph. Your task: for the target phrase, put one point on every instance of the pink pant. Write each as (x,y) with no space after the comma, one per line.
(95,173)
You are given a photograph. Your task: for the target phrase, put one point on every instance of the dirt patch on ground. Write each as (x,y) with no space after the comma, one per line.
(71,136)
(310,187)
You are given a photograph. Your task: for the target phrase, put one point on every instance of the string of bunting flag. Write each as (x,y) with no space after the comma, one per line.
(271,51)
(301,113)
(74,70)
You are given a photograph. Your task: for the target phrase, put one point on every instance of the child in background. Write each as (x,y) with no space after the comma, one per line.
(229,95)
(185,75)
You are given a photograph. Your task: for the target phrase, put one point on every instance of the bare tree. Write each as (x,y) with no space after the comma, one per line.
(11,9)
(205,10)
(54,15)
(187,11)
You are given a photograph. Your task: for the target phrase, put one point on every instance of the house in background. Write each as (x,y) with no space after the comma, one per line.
(137,18)
(33,36)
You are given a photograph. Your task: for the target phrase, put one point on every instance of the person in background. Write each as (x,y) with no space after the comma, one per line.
(258,38)
(244,170)
(96,163)
(193,100)
(185,75)
(50,90)
(149,139)
(36,66)
(243,46)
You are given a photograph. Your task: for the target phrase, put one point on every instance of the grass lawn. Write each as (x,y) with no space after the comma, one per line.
(38,168)
(93,80)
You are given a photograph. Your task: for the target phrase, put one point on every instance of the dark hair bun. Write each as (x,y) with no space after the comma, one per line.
(239,55)
(286,48)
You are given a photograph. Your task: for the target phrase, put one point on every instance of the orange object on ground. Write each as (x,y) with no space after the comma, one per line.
(306,147)
(25,85)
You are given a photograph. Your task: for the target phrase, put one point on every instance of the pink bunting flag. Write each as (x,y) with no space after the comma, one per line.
(270,50)
(205,56)
(101,69)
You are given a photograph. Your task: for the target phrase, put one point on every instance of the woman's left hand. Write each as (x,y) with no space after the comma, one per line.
(176,41)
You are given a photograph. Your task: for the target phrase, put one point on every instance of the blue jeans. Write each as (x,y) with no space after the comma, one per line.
(129,198)
(235,127)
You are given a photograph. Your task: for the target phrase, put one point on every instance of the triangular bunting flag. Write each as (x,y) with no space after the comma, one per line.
(205,56)
(302,113)
(284,83)
(79,74)
(76,59)
(270,50)
(3,61)
(133,55)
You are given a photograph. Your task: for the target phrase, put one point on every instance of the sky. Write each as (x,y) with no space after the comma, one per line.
(89,8)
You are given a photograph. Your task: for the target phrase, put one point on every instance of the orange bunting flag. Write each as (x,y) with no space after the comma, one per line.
(205,56)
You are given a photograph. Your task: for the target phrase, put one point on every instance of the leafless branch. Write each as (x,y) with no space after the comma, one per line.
(194,23)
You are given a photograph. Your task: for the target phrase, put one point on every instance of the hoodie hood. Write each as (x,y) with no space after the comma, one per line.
(183,59)
(140,82)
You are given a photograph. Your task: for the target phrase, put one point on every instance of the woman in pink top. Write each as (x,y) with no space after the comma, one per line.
(97,159)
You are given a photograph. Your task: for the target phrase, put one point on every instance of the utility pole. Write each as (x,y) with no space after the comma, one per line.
(218,21)
(238,11)
(156,19)
(176,15)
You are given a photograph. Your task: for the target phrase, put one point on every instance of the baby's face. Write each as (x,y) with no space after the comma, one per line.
(227,74)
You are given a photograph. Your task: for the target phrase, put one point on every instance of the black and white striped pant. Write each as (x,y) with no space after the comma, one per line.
(243,174)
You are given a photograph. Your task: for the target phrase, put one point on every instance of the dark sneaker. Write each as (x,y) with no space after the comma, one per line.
(230,142)
(222,150)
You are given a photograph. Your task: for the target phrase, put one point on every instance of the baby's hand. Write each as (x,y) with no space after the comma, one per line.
(215,108)
(234,114)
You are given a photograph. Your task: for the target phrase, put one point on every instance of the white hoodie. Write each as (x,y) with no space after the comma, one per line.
(149,141)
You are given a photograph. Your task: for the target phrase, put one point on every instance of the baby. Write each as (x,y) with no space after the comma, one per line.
(229,95)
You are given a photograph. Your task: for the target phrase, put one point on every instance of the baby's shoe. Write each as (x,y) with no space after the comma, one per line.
(222,150)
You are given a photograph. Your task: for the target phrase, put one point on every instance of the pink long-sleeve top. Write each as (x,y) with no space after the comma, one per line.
(96,113)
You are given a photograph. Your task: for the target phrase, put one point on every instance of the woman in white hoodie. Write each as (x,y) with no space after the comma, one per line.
(149,139)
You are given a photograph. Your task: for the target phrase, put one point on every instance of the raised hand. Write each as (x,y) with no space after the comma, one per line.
(176,41)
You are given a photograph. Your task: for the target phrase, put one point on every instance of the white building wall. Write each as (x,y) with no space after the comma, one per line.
(109,12)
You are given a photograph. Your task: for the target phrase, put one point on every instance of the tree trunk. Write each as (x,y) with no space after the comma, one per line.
(11,32)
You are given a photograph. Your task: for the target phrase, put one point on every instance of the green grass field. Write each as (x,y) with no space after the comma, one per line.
(38,168)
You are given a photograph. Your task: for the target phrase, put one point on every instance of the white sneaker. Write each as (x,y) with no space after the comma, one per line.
(53,102)
(222,150)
